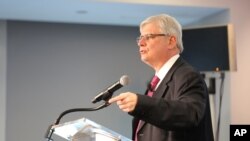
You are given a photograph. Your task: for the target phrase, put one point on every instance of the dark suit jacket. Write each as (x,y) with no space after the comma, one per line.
(179,109)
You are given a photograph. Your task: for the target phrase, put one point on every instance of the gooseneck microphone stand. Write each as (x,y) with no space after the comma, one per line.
(50,131)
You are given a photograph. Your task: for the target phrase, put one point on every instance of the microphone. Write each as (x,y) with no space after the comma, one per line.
(107,94)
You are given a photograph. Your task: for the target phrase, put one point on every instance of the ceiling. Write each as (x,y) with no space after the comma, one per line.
(97,12)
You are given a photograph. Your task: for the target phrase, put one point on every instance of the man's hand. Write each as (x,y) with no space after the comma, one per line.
(126,101)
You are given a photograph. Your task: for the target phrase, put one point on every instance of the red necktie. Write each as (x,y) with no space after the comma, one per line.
(153,84)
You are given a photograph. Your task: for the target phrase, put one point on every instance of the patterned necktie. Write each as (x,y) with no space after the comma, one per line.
(153,84)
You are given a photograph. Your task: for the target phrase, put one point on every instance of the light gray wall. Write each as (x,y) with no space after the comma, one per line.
(3,62)
(54,67)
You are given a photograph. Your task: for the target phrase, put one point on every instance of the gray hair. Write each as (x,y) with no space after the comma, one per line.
(168,25)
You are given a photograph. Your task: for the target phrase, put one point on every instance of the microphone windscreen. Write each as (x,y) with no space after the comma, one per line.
(124,80)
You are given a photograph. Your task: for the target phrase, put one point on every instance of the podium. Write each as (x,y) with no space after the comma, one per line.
(86,130)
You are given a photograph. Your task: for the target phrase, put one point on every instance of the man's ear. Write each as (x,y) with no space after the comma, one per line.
(172,42)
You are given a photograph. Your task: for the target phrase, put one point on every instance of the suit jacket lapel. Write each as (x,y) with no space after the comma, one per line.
(163,87)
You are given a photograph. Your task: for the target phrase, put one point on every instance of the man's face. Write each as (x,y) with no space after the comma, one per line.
(152,45)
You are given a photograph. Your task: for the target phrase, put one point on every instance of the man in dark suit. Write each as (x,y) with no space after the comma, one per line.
(179,108)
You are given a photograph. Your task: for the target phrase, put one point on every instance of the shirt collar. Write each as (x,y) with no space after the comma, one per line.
(166,67)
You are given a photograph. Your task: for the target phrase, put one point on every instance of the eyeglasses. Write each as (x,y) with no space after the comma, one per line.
(148,36)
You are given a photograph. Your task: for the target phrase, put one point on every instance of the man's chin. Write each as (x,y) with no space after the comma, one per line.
(144,59)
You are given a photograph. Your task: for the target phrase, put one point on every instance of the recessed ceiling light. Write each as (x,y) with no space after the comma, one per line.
(81,12)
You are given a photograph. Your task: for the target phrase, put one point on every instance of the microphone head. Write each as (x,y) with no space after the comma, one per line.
(124,80)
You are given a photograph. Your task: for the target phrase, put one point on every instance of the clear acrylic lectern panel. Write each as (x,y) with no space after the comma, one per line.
(86,130)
